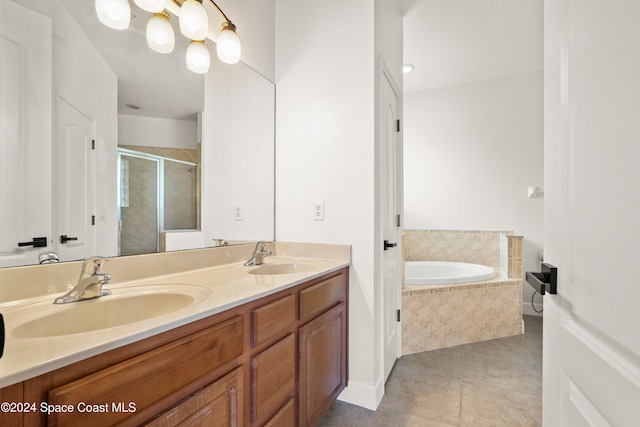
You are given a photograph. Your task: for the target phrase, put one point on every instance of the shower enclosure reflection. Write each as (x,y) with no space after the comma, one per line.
(155,194)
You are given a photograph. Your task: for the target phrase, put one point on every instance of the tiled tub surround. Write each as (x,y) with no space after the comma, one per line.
(220,270)
(442,316)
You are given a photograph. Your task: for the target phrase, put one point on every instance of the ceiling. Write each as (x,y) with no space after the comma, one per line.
(452,42)
(161,85)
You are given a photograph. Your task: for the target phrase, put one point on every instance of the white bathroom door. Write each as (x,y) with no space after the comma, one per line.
(591,344)
(75,183)
(389,185)
(25,133)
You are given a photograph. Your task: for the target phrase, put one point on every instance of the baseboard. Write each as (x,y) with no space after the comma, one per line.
(362,394)
(528,310)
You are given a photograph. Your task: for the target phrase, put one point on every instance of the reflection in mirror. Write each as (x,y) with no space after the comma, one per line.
(159,104)
(117,105)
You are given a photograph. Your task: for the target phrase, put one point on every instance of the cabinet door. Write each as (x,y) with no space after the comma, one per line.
(12,393)
(273,374)
(323,363)
(219,404)
(285,417)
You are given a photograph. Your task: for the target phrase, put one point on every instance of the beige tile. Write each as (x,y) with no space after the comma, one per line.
(514,374)
(436,398)
(484,406)
(471,250)
(341,414)
(514,348)
(436,363)
(490,248)
(385,417)
(495,390)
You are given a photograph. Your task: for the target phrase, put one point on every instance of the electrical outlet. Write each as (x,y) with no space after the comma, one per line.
(318,211)
(237,213)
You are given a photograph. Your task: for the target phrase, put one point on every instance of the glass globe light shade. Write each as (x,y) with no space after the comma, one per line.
(160,35)
(198,58)
(153,6)
(194,23)
(114,14)
(229,48)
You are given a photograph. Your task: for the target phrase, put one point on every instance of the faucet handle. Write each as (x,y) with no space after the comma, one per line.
(92,266)
(220,242)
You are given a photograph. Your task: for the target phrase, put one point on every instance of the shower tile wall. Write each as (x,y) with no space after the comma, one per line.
(513,253)
(447,316)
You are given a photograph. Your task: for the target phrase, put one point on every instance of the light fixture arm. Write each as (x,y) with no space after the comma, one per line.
(179,4)
(221,12)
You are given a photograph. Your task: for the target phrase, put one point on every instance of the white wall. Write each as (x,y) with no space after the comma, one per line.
(238,154)
(471,151)
(157,132)
(325,133)
(255,20)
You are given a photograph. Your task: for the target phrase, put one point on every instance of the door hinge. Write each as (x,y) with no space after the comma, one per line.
(398,125)
(398,315)
(93,220)
(397,220)
(93,144)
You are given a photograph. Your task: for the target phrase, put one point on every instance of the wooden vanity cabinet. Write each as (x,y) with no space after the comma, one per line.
(218,404)
(278,361)
(322,348)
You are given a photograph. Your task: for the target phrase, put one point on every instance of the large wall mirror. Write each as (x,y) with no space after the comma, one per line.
(109,148)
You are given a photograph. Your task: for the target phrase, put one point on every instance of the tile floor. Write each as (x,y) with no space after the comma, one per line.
(490,383)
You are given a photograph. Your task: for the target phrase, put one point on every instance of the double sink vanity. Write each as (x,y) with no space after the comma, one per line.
(184,338)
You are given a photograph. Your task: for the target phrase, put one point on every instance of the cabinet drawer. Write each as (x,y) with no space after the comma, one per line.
(146,378)
(272,378)
(217,405)
(272,320)
(317,298)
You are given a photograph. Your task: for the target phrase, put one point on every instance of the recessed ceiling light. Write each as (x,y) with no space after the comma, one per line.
(407,68)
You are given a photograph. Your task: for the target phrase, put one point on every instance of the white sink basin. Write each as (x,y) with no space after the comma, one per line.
(285,268)
(124,306)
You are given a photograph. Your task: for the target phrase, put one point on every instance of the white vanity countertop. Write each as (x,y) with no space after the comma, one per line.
(215,289)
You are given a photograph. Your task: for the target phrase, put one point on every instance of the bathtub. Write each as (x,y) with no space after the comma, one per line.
(441,272)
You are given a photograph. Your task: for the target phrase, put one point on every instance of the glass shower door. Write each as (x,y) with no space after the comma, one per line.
(180,195)
(138,205)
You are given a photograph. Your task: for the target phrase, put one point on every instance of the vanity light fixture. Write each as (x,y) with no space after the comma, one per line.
(194,24)
(198,59)
(114,14)
(153,6)
(160,36)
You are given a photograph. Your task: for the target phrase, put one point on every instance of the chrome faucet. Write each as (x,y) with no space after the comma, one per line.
(258,255)
(89,283)
(220,242)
